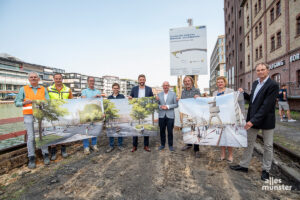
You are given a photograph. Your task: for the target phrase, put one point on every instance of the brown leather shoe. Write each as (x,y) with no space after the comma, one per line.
(147,148)
(133,149)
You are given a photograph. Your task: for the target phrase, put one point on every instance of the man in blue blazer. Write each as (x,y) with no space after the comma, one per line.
(166,102)
(138,92)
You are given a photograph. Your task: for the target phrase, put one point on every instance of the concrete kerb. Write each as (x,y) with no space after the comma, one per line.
(288,171)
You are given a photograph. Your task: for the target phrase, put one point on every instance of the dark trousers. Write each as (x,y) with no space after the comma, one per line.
(163,124)
(135,141)
(196,147)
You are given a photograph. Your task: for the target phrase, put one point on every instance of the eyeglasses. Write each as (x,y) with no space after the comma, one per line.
(33,77)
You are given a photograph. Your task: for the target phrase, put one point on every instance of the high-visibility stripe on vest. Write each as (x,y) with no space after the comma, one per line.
(29,95)
(64,93)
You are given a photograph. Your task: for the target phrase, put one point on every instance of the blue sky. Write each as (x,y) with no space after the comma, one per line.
(97,37)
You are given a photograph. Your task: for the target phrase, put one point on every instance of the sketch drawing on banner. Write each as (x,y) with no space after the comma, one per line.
(216,121)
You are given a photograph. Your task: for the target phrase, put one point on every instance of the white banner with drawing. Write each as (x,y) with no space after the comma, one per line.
(216,121)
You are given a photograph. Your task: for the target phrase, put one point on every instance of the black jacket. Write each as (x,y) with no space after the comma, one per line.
(135,92)
(262,111)
(119,96)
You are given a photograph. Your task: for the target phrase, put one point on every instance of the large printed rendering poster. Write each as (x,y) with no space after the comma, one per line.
(63,121)
(136,117)
(216,121)
(188,51)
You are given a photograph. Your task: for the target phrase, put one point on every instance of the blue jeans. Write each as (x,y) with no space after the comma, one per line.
(86,142)
(112,141)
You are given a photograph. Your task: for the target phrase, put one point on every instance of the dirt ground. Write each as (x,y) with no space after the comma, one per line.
(140,175)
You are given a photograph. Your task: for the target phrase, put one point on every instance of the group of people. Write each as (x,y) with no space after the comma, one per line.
(260,115)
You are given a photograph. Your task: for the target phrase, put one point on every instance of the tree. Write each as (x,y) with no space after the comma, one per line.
(139,112)
(110,110)
(91,113)
(48,110)
(151,107)
(148,105)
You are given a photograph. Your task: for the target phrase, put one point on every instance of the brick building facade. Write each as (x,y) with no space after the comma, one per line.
(234,40)
(270,34)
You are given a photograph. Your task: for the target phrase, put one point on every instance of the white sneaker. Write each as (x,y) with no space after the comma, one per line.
(281,120)
(120,148)
(291,120)
(95,148)
(86,151)
(109,149)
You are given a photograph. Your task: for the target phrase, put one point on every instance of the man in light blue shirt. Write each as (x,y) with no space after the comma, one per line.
(90,92)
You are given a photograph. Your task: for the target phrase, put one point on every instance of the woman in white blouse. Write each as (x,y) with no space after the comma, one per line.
(221,84)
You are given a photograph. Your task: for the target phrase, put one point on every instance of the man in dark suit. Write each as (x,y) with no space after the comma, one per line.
(260,116)
(138,92)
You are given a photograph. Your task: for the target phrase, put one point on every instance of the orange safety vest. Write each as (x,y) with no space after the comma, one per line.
(29,95)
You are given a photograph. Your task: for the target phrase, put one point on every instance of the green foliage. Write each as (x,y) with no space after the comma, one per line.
(47,139)
(91,113)
(110,110)
(142,107)
(138,112)
(148,127)
(49,110)
(175,90)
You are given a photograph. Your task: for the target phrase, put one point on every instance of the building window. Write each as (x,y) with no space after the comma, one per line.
(256,31)
(260,51)
(241,46)
(240,14)
(256,54)
(228,30)
(248,59)
(248,86)
(231,9)
(247,6)
(229,44)
(276,77)
(278,9)
(232,39)
(241,64)
(232,24)
(240,30)
(232,54)
(259,4)
(278,39)
(260,27)
(248,22)
(248,40)
(298,25)
(272,15)
(8,87)
(272,43)
(255,9)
